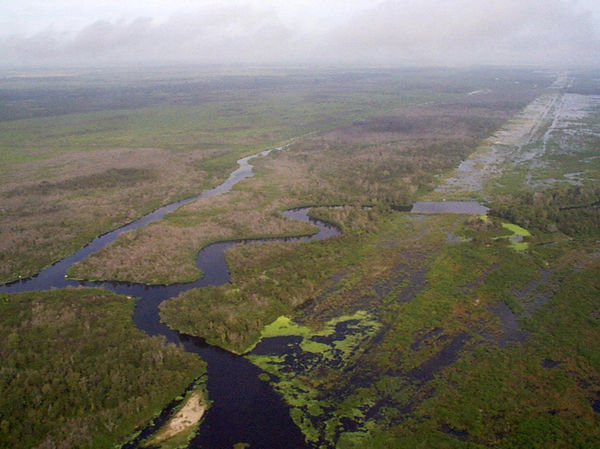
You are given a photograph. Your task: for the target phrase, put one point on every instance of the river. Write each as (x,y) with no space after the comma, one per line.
(244,408)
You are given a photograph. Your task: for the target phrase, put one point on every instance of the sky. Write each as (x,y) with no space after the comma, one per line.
(357,32)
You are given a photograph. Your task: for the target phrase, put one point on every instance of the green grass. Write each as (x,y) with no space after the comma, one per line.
(248,122)
(517,231)
(508,392)
(284,327)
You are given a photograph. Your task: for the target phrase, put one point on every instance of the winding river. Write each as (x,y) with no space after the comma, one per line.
(244,408)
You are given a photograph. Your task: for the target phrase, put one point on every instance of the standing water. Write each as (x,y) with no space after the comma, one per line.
(244,408)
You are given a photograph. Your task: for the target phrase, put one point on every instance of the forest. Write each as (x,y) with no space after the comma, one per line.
(77,373)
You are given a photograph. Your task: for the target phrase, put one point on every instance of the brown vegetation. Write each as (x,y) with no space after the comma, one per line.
(389,158)
(382,161)
(165,252)
(83,194)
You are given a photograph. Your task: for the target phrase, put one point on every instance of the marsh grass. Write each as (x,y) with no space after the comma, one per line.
(57,170)
(387,161)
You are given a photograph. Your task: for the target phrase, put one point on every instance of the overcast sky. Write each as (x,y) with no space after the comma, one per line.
(363,32)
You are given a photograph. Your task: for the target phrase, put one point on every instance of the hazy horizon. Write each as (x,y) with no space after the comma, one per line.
(389,33)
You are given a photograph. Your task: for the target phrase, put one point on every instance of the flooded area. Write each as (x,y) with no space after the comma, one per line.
(510,324)
(449,207)
(571,134)
(531,296)
(554,125)
(473,173)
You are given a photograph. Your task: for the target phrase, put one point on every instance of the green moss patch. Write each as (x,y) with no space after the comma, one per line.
(306,353)
(516,238)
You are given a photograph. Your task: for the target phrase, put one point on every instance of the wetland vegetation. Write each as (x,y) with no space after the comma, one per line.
(406,330)
(77,373)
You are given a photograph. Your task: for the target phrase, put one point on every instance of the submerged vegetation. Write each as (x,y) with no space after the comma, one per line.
(293,354)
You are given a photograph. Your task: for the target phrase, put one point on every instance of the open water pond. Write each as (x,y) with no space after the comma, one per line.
(449,207)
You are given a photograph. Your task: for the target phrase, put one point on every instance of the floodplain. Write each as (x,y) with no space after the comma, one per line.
(405,329)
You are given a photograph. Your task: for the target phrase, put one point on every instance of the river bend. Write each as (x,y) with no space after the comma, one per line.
(244,408)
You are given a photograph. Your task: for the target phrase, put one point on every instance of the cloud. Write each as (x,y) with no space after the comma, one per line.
(392,32)
(224,34)
(470,31)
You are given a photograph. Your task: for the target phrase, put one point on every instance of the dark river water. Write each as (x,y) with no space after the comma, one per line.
(449,207)
(244,408)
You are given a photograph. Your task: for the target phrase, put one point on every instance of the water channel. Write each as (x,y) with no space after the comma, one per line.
(244,408)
